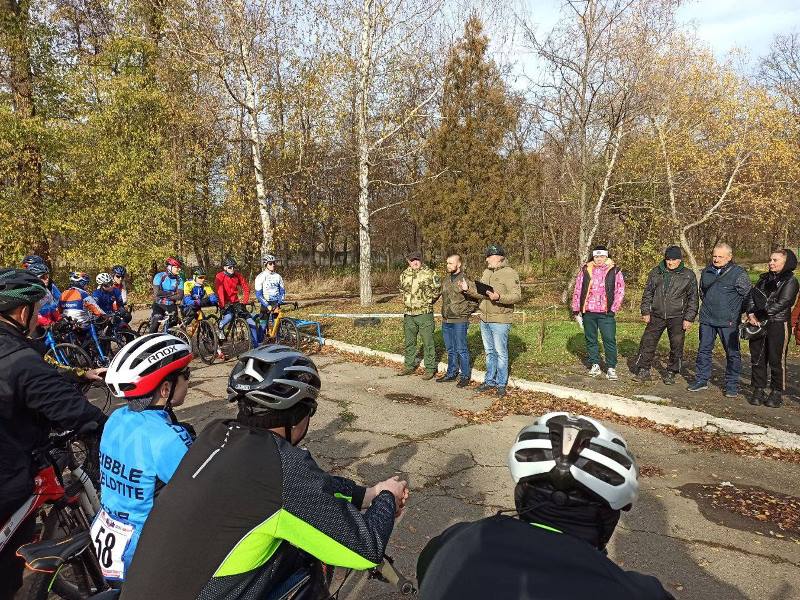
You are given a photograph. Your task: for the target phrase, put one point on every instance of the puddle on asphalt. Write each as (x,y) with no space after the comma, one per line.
(747,508)
(407,398)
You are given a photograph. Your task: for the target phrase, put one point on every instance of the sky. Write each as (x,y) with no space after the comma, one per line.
(724,25)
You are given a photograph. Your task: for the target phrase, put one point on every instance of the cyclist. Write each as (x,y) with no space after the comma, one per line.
(48,313)
(270,290)
(227,283)
(142,442)
(31,259)
(197,294)
(573,475)
(33,399)
(248,511)
(118,272)
(109,298)
(167,293)
(78,304)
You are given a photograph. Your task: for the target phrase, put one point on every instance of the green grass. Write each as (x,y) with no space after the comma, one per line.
(533,353)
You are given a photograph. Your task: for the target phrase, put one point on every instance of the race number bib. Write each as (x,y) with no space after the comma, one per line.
(110,539)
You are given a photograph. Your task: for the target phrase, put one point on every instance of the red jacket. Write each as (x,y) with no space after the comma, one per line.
(226,286)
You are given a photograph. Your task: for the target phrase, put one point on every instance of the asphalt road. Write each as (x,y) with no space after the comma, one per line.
(372,424)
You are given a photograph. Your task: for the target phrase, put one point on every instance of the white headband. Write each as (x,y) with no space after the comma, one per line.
(599,252)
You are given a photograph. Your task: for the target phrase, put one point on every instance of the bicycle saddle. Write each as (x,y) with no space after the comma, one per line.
(49,555)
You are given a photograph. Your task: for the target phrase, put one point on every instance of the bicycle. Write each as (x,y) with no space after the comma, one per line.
(283,329)
(66,500)
(100,347)
(64,353)
(201,329)
(236,335)
(169,323)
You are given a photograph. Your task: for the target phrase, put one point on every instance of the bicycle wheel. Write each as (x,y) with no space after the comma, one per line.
(125,336)
(310,343)
(180,332)
(237,337)
(206,341)
(144,328)
(70,355)
(287,333)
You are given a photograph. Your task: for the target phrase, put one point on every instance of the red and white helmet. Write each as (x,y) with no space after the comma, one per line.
(142,364)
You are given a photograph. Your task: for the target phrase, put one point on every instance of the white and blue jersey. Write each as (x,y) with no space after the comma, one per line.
(269,288)
(139,452)
(164,285)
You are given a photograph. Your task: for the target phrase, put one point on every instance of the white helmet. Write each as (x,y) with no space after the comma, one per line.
(104,279)
(268,258)
(143,363)
(576,452)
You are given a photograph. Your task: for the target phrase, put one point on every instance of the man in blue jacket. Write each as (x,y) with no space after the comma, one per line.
(724,286)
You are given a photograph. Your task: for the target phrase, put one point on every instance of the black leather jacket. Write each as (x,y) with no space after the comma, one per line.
(673,297)
(773,297)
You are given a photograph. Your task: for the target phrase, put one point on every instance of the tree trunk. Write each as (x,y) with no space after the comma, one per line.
(362,142)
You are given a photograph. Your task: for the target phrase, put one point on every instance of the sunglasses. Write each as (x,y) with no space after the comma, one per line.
(271,263)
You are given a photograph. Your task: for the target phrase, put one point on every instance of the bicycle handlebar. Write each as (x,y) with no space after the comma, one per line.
(387,573)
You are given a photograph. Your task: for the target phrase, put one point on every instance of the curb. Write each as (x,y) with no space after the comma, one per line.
(682,418)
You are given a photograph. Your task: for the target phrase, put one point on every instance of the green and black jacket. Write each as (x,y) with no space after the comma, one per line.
(246,510)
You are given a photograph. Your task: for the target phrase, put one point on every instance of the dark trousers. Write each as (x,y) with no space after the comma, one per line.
(729,336)
(159,310)
(607,325)
(455,340)
(771,350)
(652,333)
(11,566)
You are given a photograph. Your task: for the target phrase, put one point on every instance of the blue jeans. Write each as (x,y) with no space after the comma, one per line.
(495,344)
(228,317)
(729,336)
(455,341)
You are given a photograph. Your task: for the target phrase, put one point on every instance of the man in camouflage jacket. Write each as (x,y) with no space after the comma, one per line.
(421,288)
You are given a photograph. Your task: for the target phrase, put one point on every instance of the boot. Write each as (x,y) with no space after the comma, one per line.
(757,397)
(642,375)
(775,399)
(406,371)
(669,378)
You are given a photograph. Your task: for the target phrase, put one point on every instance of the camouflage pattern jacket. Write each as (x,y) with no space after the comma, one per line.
(420,288)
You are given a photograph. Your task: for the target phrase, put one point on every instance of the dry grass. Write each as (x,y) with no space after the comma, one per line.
(306,284)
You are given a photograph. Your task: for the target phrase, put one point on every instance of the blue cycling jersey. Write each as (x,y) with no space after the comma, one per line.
(168,284)
(139,452)
(106,299)
(51,300)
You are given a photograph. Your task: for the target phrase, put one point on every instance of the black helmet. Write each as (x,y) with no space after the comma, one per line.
(229,262)
(274,377)
(19,287)
(38,269)
(199,272)
(118,270)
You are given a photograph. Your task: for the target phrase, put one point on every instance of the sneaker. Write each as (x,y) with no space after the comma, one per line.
(669,378)
(642,375)
(757,398)
(462,383)
(595,371)
(220,354)
(446,378)
(697,386)
(775,399)
(220,334)
(429,375)
(611,374)
(731,393)
(406,371)
(501,391)
(485,386)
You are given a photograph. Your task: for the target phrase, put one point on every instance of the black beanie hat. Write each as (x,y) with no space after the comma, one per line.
(673,253)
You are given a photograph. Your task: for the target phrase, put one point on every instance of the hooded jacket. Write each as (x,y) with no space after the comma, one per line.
(670,294)
(774,294)
(420,288)
(505,281)
(598,289)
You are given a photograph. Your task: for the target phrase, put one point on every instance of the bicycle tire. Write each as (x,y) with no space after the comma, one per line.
(143,328)
(309,343)
(180,332)
(125,336)
(237,337)
(70,355)
(287,333)
(206,341)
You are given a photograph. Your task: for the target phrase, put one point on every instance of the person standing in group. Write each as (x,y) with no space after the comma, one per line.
(597,298)
(724,286)
(420,287)
(770,306)
(167,293)
(270,291)
(669,302)
(227,284)
(456,310)
(501,291)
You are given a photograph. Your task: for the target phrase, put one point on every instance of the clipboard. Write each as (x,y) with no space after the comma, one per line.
(483,288)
